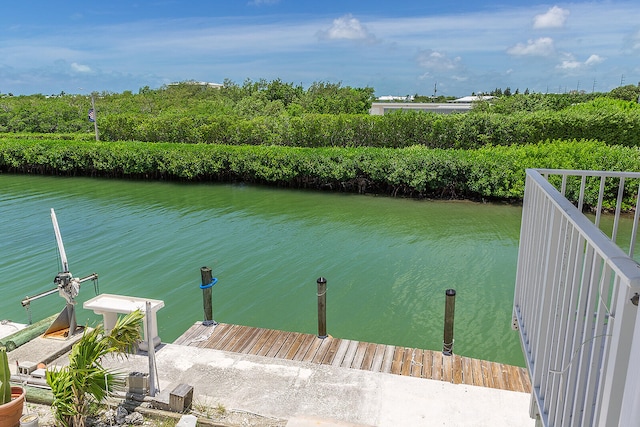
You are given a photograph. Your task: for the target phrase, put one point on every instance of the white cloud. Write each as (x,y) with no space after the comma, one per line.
(569,64)
(437,61)
(346,28)
(80,68)
(594,60)
(572,64)
(539,47)
(553,18)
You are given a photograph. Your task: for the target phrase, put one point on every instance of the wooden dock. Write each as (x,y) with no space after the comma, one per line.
(357,355)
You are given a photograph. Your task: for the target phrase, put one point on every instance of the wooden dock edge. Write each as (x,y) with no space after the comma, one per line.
(346,353)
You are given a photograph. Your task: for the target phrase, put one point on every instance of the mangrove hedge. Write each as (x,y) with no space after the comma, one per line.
(489,172)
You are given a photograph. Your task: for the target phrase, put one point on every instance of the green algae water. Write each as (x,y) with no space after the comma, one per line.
(387,261)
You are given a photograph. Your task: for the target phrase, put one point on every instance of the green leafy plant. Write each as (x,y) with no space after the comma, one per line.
(85,381)
(5,376)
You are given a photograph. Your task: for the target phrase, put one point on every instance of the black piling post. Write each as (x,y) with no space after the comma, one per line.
(207,284)
(449,313)
(322,307)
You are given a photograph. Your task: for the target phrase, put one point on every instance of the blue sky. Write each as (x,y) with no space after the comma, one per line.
(396,47)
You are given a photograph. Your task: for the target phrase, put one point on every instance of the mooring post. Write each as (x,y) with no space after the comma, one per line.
(151,351)
(449,313)
(207,284)
(322,307)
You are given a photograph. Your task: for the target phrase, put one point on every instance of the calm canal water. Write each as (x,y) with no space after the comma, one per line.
(387,261)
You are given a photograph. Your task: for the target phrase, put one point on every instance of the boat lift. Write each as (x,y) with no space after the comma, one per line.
(67,287)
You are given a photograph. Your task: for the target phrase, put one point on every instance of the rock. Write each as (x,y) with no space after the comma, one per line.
(121,414)
(109,416)
(187,421)
(134,418)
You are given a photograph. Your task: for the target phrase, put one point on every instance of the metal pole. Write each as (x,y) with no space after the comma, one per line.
(322,307)
(449,312)
(206,286)
(151,351)
(95,116)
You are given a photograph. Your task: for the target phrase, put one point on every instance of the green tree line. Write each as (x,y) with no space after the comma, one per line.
(321,137)
(490,172)
(323,115)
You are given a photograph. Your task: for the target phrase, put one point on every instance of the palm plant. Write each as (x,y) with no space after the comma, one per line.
(5,376)
(85,381)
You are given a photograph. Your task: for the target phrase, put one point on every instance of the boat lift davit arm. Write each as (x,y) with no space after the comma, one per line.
(67,287)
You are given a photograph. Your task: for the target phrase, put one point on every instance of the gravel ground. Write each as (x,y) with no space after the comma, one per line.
(217,416)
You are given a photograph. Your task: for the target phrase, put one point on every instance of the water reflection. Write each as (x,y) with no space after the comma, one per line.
(387,261)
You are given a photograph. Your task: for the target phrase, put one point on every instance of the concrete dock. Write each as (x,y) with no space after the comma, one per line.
(310,394)
(298,391)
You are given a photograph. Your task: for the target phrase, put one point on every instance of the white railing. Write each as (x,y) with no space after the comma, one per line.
(575,304)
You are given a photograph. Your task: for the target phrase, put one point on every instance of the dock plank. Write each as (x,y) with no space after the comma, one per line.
(378,357)
(257,347)
(313,349)
(277,344)
(467,371)
(305,345)
(340,353)
(325,345)
(235,338)
(286,345)
(244,346)
(457,369)
(352,354)
(359,356)
(427,363)
(387,359)
(396,364)
(416,363)
(436,368)
(331,352)
(447,368)
(478,377)
(189,334)
(219,332)
(369,352)
(406,362)
(487,375)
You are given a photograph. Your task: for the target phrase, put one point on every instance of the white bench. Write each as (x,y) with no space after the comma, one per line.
(109,306)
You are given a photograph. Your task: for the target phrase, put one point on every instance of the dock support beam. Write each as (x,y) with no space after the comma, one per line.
(207,284)
(322,307)
(449,313)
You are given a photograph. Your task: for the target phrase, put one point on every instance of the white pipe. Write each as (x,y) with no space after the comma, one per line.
(63,255)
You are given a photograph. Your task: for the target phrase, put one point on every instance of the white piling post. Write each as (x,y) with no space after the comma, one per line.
(151,351)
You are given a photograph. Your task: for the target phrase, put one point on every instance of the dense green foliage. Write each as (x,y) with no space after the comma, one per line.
(321,137)
(491,172)
(324,115)
(68,113)
(612,121)
(84,381)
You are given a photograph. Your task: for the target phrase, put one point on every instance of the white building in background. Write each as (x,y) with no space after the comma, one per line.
(473,98)
(388,98)
(380,108)
(387,104)
(192,82)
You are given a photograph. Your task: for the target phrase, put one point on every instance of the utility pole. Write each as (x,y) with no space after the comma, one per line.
(95,116)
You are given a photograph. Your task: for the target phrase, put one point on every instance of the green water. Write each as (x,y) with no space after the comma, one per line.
(387,261)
